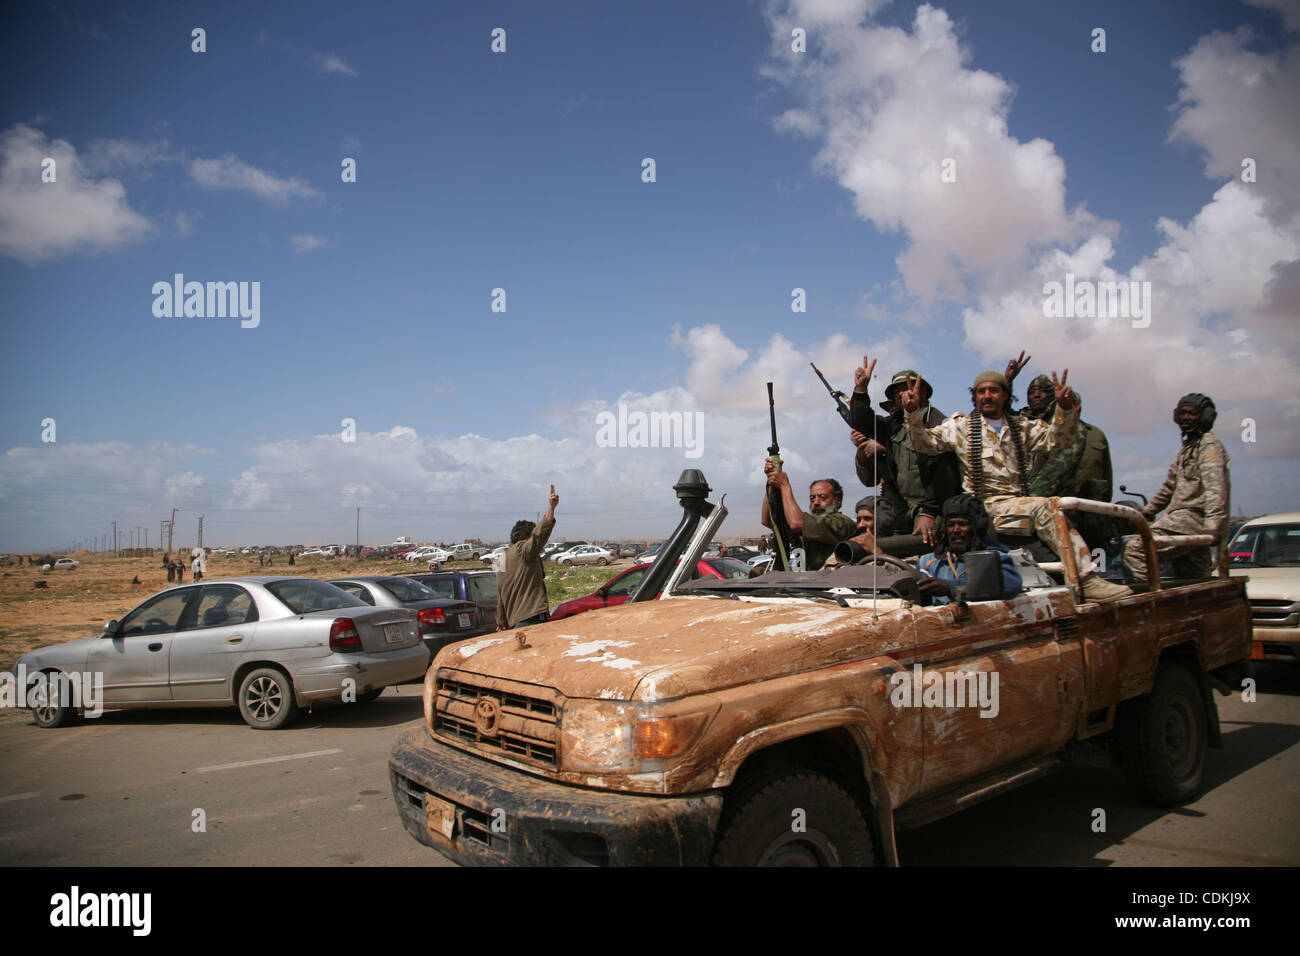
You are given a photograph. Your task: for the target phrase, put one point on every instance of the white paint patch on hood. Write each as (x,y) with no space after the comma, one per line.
(592,647)
(732,613)
(469,650)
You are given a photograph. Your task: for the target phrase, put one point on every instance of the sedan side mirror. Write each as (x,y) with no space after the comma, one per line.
(112,628)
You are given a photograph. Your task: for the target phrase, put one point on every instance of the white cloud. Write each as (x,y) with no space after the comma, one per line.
(1235,103)
(230,172)
(306,242)
(333,63)
(45,220)
(895,105)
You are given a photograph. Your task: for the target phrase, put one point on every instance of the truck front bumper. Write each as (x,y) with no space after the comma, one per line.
(477,812)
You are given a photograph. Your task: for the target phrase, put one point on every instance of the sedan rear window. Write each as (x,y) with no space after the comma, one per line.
(302,596)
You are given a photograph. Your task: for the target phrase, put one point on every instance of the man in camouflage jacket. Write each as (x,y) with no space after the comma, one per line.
(1195,495)
(1000,478)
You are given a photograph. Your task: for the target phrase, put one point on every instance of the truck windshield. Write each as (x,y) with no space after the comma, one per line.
(1266,546)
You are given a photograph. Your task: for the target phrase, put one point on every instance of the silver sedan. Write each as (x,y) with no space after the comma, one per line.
(266,645)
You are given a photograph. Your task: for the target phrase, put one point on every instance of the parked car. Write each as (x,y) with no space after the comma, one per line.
(561,547)
(441,620)
(314,553)
(1266,551)
(619,588)
(266,645)
(650,553)
(66,564)
(584,554)
(491,556)
(478,587)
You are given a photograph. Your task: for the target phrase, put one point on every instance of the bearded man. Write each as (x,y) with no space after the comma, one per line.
(992,444)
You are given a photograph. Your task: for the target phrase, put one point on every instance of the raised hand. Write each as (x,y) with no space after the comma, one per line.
(1016,366)
(862,376)
(910,397)
(554,499)
(1064,394)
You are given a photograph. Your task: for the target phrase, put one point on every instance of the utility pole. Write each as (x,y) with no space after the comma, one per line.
(171,528)
(358,532)
(200,544)
(114,537)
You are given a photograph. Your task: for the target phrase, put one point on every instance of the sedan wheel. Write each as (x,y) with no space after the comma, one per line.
(52,707)
(266,699)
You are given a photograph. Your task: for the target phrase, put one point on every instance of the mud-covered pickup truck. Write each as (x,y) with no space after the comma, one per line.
(803,718)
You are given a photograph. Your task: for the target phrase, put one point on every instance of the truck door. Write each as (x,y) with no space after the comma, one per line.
(994,689)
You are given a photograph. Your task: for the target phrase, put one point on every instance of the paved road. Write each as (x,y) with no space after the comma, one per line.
(123,790)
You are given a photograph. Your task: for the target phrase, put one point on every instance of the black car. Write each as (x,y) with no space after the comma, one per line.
(478,587)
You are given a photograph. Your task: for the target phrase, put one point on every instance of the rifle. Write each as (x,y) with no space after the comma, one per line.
(840,406)
(781,536)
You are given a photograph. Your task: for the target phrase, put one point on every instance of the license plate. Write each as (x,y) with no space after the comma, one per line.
(440,817)
(462,620)
(394,633)
(1256,650)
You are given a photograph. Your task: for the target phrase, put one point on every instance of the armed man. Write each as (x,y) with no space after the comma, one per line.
(992,445)
(913,485)
(1195,495)
(823,526)
(965,528)
(1084,468)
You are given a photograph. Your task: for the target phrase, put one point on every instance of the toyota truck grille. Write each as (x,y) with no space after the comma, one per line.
(499,717)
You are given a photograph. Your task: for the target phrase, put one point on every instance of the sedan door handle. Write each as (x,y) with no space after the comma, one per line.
(156,647)
(236,639)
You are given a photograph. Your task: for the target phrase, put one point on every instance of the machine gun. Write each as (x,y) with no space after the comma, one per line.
(781,534)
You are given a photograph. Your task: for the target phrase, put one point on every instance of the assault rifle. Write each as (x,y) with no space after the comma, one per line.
(781,535)
(839,397)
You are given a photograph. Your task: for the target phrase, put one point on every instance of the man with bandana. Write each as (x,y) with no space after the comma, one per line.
(965,528)
(1195,495)
(1083,469)
(992,445)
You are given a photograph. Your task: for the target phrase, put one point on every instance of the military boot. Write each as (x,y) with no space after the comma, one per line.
(1097,589)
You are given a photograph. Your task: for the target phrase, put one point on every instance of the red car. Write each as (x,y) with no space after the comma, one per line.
(619,588)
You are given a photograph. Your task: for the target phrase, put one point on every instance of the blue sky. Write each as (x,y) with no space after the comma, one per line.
(522,170)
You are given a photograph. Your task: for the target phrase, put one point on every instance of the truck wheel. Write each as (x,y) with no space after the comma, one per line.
(266,699)
(1164,738)
(799,819)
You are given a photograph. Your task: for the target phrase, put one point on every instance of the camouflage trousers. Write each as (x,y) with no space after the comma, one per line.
(1034,516)
(1187,562)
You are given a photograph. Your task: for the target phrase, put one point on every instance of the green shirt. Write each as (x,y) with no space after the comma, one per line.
(821,533)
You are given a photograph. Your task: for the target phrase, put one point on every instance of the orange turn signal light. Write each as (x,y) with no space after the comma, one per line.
(657,738)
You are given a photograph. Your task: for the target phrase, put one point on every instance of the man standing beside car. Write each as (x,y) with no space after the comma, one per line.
(522,585)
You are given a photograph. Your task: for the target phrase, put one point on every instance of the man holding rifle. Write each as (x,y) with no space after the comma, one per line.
(822,525)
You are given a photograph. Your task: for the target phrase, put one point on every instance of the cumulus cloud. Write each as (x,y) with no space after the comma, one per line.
(77,212)
(896,110)
(1237,104)
(230,172)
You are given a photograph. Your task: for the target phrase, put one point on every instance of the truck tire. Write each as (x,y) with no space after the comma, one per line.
(1163,739)
(800,818)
